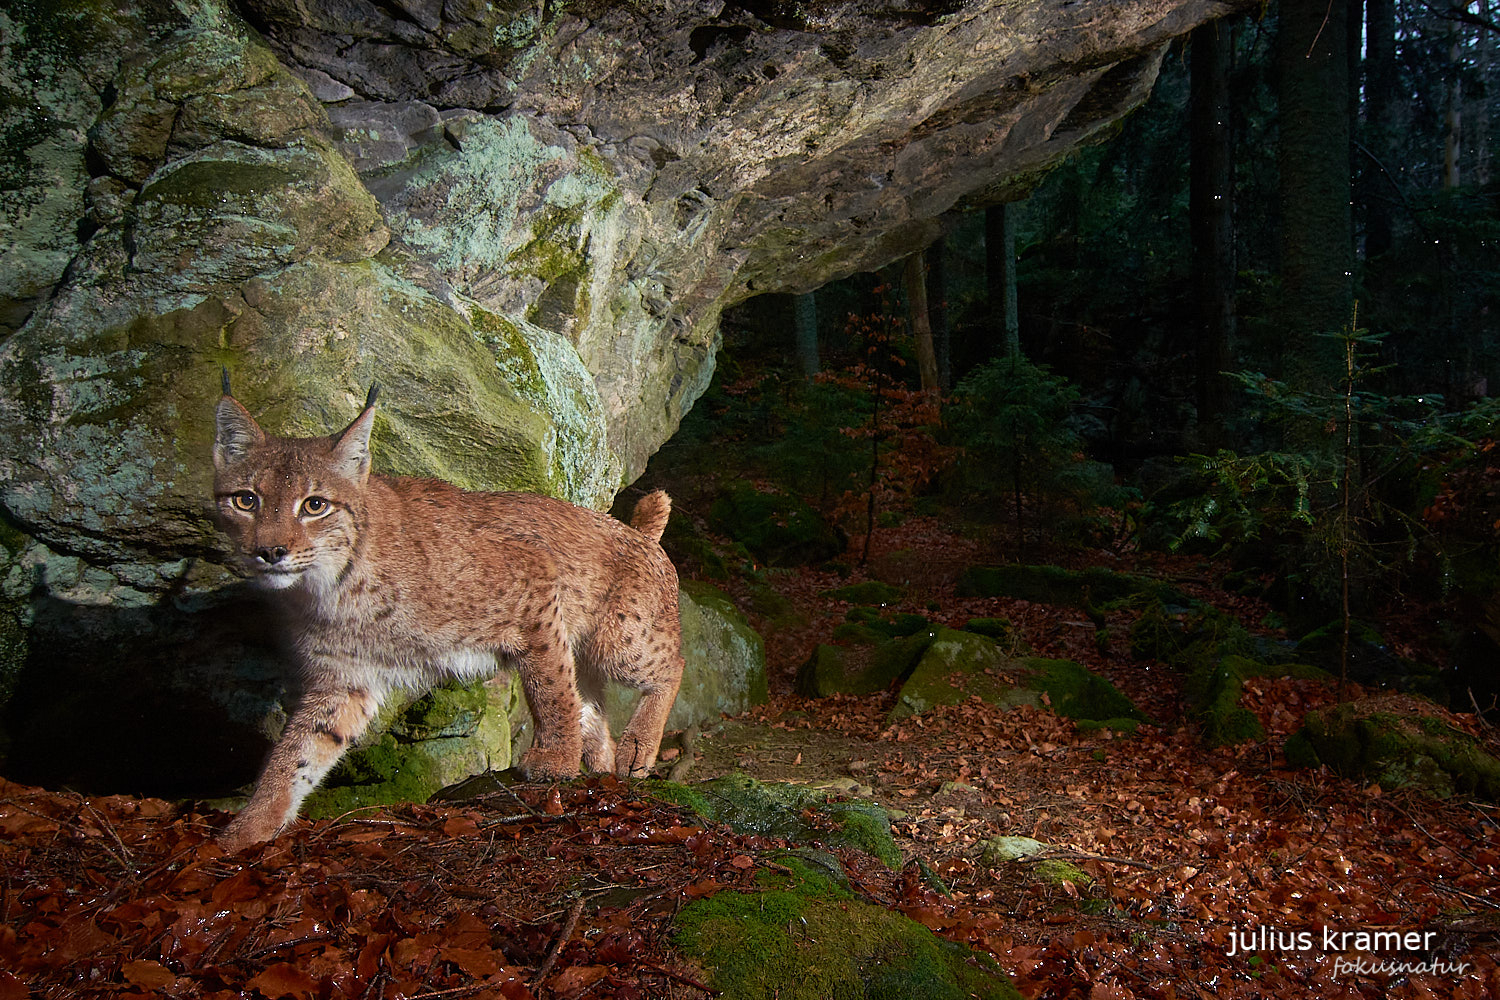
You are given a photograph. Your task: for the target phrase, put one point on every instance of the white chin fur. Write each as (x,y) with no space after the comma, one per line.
(279,581)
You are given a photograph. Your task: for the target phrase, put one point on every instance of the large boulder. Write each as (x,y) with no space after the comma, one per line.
(724,670)
(523,221)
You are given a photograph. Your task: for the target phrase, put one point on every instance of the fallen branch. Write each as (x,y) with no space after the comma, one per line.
(684,980)
(1083,856)
(562,939)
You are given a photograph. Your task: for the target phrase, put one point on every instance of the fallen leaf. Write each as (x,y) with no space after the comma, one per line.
(284,980)
(148,975)
(577,978)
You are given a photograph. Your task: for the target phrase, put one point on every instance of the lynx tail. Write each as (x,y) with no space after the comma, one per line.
(650,517)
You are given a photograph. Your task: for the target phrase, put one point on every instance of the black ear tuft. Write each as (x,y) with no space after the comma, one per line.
(224,379)
(374,395)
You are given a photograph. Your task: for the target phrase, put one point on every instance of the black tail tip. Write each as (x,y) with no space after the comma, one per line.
(374,395)
(224,379)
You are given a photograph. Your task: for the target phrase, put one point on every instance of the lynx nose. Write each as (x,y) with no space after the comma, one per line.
(271,556)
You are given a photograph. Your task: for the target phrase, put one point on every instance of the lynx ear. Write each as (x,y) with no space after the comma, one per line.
(351,446)
(236,432)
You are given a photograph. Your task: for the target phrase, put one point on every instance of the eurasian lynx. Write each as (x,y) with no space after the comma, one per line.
(392,582)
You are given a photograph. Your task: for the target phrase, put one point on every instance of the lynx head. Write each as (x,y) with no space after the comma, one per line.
(291,506)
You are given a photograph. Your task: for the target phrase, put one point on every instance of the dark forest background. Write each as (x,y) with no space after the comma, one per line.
(1257,323)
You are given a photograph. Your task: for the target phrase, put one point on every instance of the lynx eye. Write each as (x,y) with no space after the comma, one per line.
(315,506)
(245,500)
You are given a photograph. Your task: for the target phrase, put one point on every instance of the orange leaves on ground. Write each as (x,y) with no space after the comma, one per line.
(113,896)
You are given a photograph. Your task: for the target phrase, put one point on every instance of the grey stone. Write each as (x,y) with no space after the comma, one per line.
(523,220)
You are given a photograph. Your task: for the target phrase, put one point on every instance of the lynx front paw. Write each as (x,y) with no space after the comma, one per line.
(248,829)
(633,758)
(538,764)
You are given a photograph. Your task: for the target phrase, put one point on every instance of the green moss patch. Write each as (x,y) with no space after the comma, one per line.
(872,592)
(789,812)
(806,938)
(995,628)
(1396,748)
(440,738)
(959,665)
(873,663)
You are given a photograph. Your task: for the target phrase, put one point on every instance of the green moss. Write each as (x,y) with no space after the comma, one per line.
(995,628)
(1357,741)
(1057,872)
(208,184)
(437,739)
(870,667)
(1300,751)
(959,665)
(804,937)
(1184,635)
(869,592)
(775,810)
(1213,691)
(1078,693)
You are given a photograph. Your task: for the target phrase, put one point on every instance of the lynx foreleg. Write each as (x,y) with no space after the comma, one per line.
(550,682)
(316,736)
(636,751)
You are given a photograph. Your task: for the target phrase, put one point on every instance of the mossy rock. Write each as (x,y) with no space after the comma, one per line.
(872,625)
(995,628)
(1397,749)
(805,937)
(874,663)
(873,592)
(1086,589)
(959,665)
(414,750)
(998,850)
(1371,661)
(779,530)
(776,810)
(1080,694)
(1214,689)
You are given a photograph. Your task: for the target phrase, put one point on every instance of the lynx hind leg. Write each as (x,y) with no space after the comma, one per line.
(598,745)
(550,683)
(316,736)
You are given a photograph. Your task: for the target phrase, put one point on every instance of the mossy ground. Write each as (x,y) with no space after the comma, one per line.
(806,937)
(777,810)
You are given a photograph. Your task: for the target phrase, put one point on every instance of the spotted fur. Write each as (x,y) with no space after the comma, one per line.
(395,583)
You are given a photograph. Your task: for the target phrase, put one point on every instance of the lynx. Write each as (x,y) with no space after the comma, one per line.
(391,583)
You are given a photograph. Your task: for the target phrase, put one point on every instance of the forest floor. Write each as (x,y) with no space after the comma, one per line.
(569,891)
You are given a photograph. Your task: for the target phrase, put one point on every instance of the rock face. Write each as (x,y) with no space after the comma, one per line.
(522,220)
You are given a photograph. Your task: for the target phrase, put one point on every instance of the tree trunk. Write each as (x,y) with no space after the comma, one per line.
(805,319)
(915,280)
(1453,118)
(1378,195)
(1482,108)
(1312,158)
(1000,271)
(1211,214)
(937,300)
